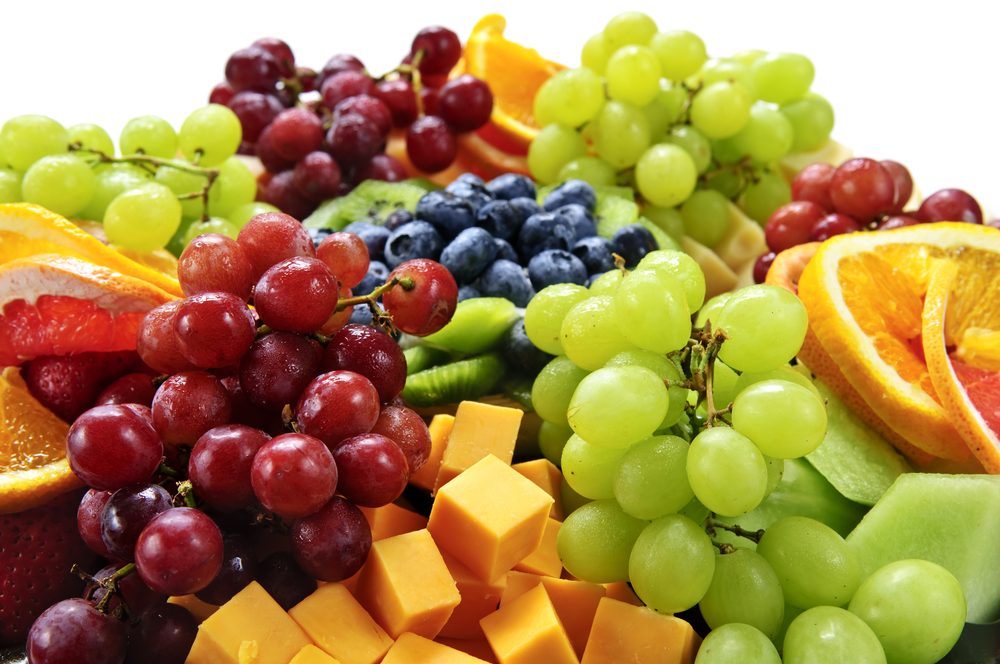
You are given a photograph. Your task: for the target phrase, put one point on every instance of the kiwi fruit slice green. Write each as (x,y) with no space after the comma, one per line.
(477,325)
(420,358)
(467,379)
(371,201)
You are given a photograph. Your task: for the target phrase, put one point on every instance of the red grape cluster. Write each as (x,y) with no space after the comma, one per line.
(861,194)
(264,437)
(318,149)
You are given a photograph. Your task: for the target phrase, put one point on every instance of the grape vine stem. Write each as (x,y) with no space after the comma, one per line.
(752,535)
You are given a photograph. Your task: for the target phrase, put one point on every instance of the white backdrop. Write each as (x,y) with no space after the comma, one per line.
(917,85)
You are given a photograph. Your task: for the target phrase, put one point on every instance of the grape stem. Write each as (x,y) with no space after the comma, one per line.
(406,283)
(185,491)
(700,355)
(415,80)
(620,264)
(110,584)
(164,469)
(724,547)
(752,535)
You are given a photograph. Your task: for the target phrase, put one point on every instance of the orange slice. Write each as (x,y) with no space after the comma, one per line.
(27,229)
(33,465)
(865,296)
(52,304)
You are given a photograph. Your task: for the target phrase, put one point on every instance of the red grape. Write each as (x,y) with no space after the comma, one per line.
(353,139)
(430,144)
(950,205)
(127,512)
(239,568)
(156,343)
(465,103)
(429,305)
(863,189)
(338,63)
(834,224)
(383,167)
(88,520)
(398,95)
(295,133)
(109,447)
(338,319)
(367,106)
(214,330)
(898,221)
(373,470)
(252,69)
(281,51)
(244,412)
(74,632)
(272,237)
(284,580)
(294,475)
(276,370)
(282,194)
(296,295)
(214,262)
(332,544)
(791,224)
(346,255)
(219,467)
(904,183)
(316,176)
(337,405)
(409,431)
(164,635)
(813,184)
(187,405)
(221,94)
(370,352)
(429,100)
(269,157)
(255,111)
(761,266)
(179,552)
(441,49)
(344,84)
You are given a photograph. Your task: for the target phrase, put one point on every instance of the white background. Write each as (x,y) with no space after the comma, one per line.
(914,82)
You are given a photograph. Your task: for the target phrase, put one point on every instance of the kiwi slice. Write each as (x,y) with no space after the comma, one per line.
(420,358)
(517,386)
(476,326)
(464,380)
(423,183)
(371,201)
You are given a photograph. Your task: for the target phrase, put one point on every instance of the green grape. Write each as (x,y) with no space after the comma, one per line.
(735,642)
(92,137)
(244,213)
(659,118)
(607,283)
(724,69)
(785,420)
(791,613)
(767,135)
(727,472)
(571,500)
(676,396)
(785,372)
(915,607)
(651,311)
(706,216)
(775,471)
(595,54)
(727,183)
(617,407)
(621,134)
(672,98)
(177,243)
(552,439)
(553,388)
(589,469)
(633,75)
(748,314)
(723,384)
(555,146)
(721,109)
(726,152)
(681,53)
(590,333)
(830,635)
(210,135)
(683,268)
(650,480)
(62,183)
(666,174)
(109,183)
(763,197)
(183,182)
(571,97)
(812,122)
(593,170)
(3,160)
(10,186)
(695,511)
(671,565)
(710,310)
(212,225)
(667,218)
(694,143)
(233,187)
(782,77)
(149,135)
(744,590)
(749,56)
(629,28)
(544,315)
(144,218)
(27,138)
(595,541)
(814,564)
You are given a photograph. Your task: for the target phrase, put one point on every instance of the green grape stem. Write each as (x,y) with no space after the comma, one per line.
(682,116)
(724,547)
(700,355)
(164,469)
(185,491)
(752,535)
(110,584)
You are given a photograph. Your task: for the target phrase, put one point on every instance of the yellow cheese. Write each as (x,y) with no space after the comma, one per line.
(479,648)
(625,633)
(199,609)
(575,602)
(528,631)
(406,587)
(339,625)
(391,520)
(490,517)
(440,428)
(544,474)
(413,649)
(718,277)
(480,430)
(545,559)
(250,616)
(479,599)
(743,241)
(622,591)
(312,655)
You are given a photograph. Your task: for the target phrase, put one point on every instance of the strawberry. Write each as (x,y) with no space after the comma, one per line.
(69,384)
(37,549)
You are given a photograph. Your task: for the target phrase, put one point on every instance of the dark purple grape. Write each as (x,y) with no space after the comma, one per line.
(138,596)
(179,552)
(264,149)
(219,467)
(761,266)
(369,107)
(164,635)
(255,111)
(399,96)
(465,103)
(353,139)
(284,580)
(239,568)
(431,144)
(74,632)
(127,512)
(130,388)
(221,94)
(950,205)
(332,544)
(370,352)
(383,167)
(281,51)
(282,194)
(336,64)
(342,85)
(277,368)
(317,176)
(252,68)
(441,49)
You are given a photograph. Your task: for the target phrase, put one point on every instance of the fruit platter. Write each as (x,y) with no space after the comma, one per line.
(491,358)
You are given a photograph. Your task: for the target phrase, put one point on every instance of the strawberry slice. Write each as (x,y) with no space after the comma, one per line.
(69,384)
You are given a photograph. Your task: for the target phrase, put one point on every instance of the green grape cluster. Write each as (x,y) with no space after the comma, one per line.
(146,198)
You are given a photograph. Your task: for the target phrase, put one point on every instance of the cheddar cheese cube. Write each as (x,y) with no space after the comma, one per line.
(478,648)
(548,478)
(545,559)
(391,520)
(440,428)
(622,591)
(528,631)
(625,633)
(413,649)
(480,429)
(575,602)
(339,625)
(479,599)
(312,655)
(199,609)
(490,517)
(250,623)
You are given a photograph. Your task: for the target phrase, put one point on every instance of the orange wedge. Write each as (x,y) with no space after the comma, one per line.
(27,229)
(865,296)
(53,304)
(33,465)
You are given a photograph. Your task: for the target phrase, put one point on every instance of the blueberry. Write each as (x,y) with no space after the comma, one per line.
(468,293)
(505,278)
(374,236)
(632,242)
(505,250)
(545,231)
(595,252)
(519,352)
(472,180)
(398,218)
(449,214)
(526,206)
(318,234)
(477,197)
(556,266)
(572,191)
(468,254)
(511,185)
(417,239)
(361,315)
(500,219)
(377,273)
(582,220)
